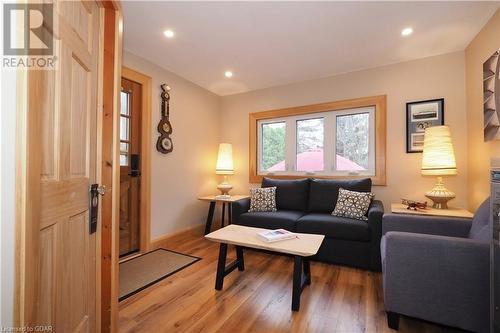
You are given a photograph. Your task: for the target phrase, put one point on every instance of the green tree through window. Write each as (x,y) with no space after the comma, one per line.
(273,144)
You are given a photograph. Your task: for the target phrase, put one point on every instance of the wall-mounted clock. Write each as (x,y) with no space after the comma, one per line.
(164,143)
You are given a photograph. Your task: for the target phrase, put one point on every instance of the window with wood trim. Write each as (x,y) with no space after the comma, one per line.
(124,127)
(344,139)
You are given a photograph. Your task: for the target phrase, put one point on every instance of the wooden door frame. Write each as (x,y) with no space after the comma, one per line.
(107,172)
(110,144)
(145,196)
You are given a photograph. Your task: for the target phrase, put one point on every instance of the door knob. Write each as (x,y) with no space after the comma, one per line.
(101,189)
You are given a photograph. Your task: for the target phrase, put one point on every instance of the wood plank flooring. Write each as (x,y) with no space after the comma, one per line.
(340,299)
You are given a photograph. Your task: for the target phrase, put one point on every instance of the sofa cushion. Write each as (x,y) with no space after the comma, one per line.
(290,194)
(285,219)
(323,193)
(263,199)
(334,227)
(480,227)
(353,204)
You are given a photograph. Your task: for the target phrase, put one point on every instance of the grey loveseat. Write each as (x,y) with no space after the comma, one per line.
(305,206)
(437,269)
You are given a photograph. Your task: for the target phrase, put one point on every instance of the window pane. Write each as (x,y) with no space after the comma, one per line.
(123,160)
(273,147)
(353,135)
(124,103)
(124,128)
(123,148)
(123,153)
(310,138)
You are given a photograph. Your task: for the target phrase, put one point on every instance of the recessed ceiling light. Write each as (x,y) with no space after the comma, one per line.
(228,74)
(406,31)
(168,33)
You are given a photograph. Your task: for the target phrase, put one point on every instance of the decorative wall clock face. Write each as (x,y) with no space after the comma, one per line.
(166,143)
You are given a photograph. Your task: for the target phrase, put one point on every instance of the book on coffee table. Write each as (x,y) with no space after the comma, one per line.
(276,235)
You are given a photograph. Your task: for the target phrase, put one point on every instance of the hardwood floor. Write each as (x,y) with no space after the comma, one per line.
(340,299)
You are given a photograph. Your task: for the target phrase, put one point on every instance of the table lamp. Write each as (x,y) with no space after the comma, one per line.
(438,160)
(225,167)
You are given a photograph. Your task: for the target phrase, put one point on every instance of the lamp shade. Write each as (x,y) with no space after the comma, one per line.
(225,160)
(438,158)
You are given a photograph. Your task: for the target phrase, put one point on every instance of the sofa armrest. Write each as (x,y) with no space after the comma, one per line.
(239,207)
(437,278)
(375,213)
(433,225)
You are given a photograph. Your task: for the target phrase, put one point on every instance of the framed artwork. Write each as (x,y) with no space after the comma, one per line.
(419,116)
(491,97)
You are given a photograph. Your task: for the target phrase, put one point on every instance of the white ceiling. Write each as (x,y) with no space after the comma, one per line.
(274,43)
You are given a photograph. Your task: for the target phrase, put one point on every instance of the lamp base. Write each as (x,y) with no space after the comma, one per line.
(224,187)
(440,195)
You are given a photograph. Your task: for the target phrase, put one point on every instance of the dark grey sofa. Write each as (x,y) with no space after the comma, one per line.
(305,206)
(437,269)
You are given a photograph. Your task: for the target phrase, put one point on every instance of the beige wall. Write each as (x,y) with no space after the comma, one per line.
(179,177)
(435,77)
(480,152)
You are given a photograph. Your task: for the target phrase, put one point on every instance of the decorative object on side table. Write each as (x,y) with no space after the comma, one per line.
(399,208)
(491,97)
(410,204)
(438,160)
(225,167)
(419,116)
(164,143)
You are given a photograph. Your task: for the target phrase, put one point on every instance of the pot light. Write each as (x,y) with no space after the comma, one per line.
(168,33)
(228,74)
(406,31)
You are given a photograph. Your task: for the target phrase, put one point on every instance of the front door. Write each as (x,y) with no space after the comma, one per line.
(61,266)
(130,173)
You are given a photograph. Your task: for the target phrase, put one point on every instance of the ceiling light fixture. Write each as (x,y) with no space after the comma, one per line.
(228,74)
(168,33)
(407,31)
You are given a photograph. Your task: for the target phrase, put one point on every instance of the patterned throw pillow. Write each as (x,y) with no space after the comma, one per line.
(353,204)
(263,199)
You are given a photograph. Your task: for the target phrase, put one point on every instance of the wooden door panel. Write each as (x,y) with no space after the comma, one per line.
(72,274)
(79,120)
(67,138)
(125,232)
(63,198)
(47,131)
(46,266)
(79,15)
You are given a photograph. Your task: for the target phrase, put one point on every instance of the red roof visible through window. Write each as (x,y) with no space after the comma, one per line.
(313,161)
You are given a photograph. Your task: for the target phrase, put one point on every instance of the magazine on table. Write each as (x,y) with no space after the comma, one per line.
(271,236)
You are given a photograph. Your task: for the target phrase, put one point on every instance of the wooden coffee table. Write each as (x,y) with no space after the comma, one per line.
(301,248)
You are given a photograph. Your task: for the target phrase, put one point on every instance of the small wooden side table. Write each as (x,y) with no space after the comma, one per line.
(213,200)
(398,208)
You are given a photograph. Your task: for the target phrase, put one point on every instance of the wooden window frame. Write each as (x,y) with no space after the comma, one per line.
(378,102)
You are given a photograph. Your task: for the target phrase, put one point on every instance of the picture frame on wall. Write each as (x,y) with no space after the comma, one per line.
(491,97)
(419,116)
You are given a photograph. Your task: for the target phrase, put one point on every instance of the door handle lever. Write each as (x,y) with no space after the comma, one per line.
(94,192)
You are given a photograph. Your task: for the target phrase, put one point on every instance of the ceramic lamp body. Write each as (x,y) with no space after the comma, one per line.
(440,195)
(225,167)
(438,159)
